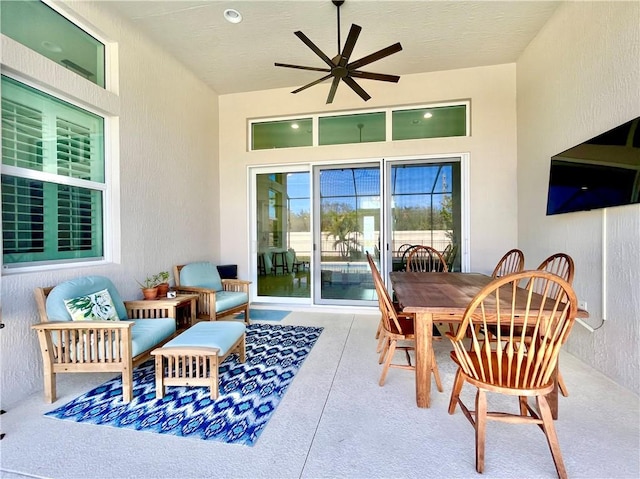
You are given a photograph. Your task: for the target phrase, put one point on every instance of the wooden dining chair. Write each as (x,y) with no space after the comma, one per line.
(511,262)
(404,247)
(426,259)
(505,366)
(449,254)
(395,327)
(562,265)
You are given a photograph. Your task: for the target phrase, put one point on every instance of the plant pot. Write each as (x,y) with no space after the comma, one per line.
(162,290)
(150,293)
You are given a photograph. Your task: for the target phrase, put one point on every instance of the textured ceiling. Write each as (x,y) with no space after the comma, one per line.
(435,35)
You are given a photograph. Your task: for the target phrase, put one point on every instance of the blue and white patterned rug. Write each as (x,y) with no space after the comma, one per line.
(249,392)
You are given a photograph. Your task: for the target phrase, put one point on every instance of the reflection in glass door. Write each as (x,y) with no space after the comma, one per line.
(425,204)
(347,225)
(283,234)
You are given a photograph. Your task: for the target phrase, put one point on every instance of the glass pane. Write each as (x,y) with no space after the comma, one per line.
(42,133)
(350,225)
(45,31)
(426,210)
(283,227)
(437,122)
(362,128)
(44,222)
(281,134)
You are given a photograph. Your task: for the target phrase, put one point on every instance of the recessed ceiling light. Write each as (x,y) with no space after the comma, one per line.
(427,115)
(232,16)
(52,47)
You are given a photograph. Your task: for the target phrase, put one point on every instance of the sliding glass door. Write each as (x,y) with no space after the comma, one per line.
(282,252)
(347,199)
(425,205)
(314,224)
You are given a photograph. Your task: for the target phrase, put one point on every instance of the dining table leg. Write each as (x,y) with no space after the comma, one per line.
(424,335)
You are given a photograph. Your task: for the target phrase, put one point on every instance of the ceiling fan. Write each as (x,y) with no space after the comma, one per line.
(339,66)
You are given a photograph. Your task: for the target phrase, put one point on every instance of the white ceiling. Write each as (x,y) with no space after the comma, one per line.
(435,35)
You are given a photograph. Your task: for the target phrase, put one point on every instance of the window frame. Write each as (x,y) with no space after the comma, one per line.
(105,105)
(104,188)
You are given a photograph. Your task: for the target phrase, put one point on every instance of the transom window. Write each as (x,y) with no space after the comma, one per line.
(410,123)
(43,30)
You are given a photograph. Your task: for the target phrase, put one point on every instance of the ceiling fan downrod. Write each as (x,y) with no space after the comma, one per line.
(338,4)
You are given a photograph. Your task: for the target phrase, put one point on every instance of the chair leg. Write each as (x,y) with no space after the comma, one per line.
(550,433)
(436,372)
(563,387)
(379,329)
(387,363)
(524,411)
(480,427)
(127,386)
(455,391)
(383,348)
(381,339)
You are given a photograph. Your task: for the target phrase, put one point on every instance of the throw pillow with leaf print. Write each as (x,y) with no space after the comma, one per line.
(92,307)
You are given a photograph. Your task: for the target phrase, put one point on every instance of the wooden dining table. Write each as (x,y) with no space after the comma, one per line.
(435,298)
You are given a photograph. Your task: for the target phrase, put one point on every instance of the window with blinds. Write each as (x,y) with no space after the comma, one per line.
(53,181)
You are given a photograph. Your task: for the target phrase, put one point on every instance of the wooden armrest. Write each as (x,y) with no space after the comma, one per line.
(193,289)
(82,325)
(235,281)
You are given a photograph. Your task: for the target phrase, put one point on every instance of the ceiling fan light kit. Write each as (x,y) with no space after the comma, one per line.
(339,67)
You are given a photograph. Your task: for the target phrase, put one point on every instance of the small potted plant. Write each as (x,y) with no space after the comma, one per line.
(163,283)
(149,287)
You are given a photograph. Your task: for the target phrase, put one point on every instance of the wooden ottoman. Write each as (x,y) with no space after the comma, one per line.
(192,358)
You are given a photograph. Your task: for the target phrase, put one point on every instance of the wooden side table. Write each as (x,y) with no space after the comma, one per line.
(163,308)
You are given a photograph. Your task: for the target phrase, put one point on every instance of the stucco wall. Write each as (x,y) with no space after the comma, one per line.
(168,182)
(492,149)
(578,78)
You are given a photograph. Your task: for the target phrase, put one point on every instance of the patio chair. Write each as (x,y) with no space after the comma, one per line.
(86,327)
(511,262)
(217,297)
(562,265)
(426,259)
(449,254)
(395,327)
(505,366)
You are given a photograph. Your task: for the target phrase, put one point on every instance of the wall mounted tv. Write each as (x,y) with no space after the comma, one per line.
(601,172)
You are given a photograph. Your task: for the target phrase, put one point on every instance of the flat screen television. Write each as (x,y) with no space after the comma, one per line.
(599,173)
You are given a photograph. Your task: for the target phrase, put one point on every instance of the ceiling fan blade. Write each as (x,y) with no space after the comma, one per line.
(300,67)
(357,88)
(374,76)
(347,50)
(313,47)
(332,91)
(385,52)
(308,85)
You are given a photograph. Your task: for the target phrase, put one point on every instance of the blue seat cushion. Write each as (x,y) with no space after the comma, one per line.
(201,275)
(56,309)
(226,300)
(147,333)
(211,334)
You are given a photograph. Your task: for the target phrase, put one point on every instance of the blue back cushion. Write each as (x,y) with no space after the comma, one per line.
(57,311)
(201,275)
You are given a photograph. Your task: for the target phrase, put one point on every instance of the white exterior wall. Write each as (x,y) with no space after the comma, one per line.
(492,149)
(168,181)
(578,78)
